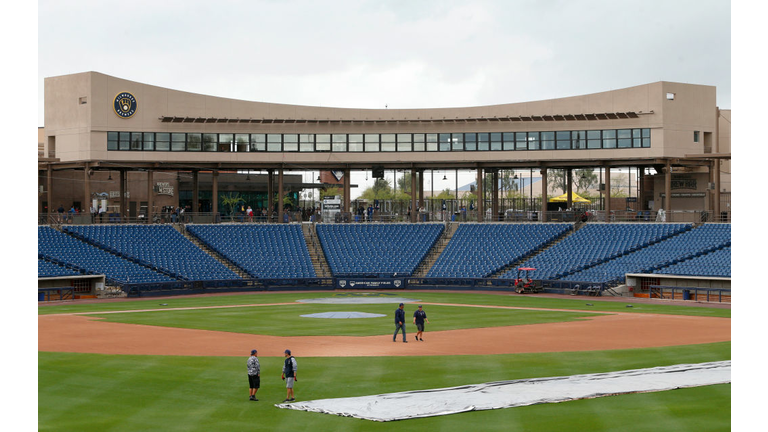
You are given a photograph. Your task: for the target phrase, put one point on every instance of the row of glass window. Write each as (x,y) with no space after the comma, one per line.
(492,141)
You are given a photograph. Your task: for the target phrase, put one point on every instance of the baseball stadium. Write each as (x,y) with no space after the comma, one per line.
(574,274)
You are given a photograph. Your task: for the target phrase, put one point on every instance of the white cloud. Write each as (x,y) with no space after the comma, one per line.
(364,54)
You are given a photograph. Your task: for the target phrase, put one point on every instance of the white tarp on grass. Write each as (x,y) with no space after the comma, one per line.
(507,394)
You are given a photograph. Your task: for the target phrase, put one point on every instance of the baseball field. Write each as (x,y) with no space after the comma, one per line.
(166,364)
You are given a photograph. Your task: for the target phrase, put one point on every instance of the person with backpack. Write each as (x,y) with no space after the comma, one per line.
(289,375)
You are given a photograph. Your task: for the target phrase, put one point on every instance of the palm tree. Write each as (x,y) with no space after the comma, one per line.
(231,200)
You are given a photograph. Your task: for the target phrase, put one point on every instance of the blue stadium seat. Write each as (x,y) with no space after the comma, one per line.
(159,246)
(378,250)
(56,246)
(264,251)
(479,250)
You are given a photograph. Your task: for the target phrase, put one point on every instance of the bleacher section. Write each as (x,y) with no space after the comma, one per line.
(479,250)
(594,244)
(159,246)
(49,269)
(62,248)
(264,251)
(379,250)
(684,246)
(597,253)
(716,263)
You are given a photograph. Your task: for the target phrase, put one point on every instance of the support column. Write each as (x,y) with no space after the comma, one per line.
(495,195)
(641,188)
(668,190)
(608,194)
(347,190)
(716,204)
(421,188)
(215,195)
(480,201)
(123,188)
(195,191)
(49,189)
(414,208)
(280,193)
(270,194)
(150,195)
(569,188)
(543,215)
(86,207)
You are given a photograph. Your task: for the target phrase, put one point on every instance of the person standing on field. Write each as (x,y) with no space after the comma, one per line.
(399,322)
(254,374)
(289,375)
(418,318)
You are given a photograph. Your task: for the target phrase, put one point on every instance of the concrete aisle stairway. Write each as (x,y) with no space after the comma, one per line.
(517,263)
(437,249)
(229,264)
(315,250)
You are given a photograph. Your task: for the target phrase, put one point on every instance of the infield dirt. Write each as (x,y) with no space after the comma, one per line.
(87,334)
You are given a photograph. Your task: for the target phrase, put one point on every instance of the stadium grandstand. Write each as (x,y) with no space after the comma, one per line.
(162,190)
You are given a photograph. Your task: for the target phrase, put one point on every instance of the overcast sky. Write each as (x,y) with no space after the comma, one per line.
(400,54)
(395,54)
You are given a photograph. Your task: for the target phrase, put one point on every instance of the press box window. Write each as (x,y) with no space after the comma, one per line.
(112,141)
(210,142)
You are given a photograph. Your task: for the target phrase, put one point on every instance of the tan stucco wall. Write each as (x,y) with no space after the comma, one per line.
(80,129)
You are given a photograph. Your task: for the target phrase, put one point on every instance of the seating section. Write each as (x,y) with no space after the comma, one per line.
(49,269)
(56,246)
(594,244)
(596,253)
(264,251)
(159,246)
(716,263)
(683,246)
(479,250)
(380,250)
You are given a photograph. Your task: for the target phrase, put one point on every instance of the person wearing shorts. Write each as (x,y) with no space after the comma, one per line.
(418,318)
(289,375)
(254,374)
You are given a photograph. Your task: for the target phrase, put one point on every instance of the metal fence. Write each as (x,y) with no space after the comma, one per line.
(682,216)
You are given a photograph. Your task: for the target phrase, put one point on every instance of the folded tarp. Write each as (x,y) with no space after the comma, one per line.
(507,394)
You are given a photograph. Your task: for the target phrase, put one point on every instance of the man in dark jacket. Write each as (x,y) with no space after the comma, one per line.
(399,322)
(289,375)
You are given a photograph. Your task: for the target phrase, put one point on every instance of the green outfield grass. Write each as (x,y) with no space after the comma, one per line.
(87,392)
(93,392)
(514,300)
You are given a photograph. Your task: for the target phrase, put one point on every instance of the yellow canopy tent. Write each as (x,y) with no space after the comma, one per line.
(576,198)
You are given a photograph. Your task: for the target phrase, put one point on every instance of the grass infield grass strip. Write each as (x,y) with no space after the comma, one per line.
(514,300)
(286,320)
(93,392)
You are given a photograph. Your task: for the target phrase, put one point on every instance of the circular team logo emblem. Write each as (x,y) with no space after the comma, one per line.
(125,105)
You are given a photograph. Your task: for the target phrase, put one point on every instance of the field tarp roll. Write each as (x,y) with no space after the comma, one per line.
(507,394)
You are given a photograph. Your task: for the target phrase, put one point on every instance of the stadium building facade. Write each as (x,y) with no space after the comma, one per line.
(99,126)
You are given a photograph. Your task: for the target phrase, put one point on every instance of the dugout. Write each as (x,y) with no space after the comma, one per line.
(69,287)
(677,287)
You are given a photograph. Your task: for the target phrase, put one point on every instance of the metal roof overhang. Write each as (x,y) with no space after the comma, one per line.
(367,165)
(546,117)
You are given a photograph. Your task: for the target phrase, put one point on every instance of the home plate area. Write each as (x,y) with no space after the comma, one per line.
(508,394)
